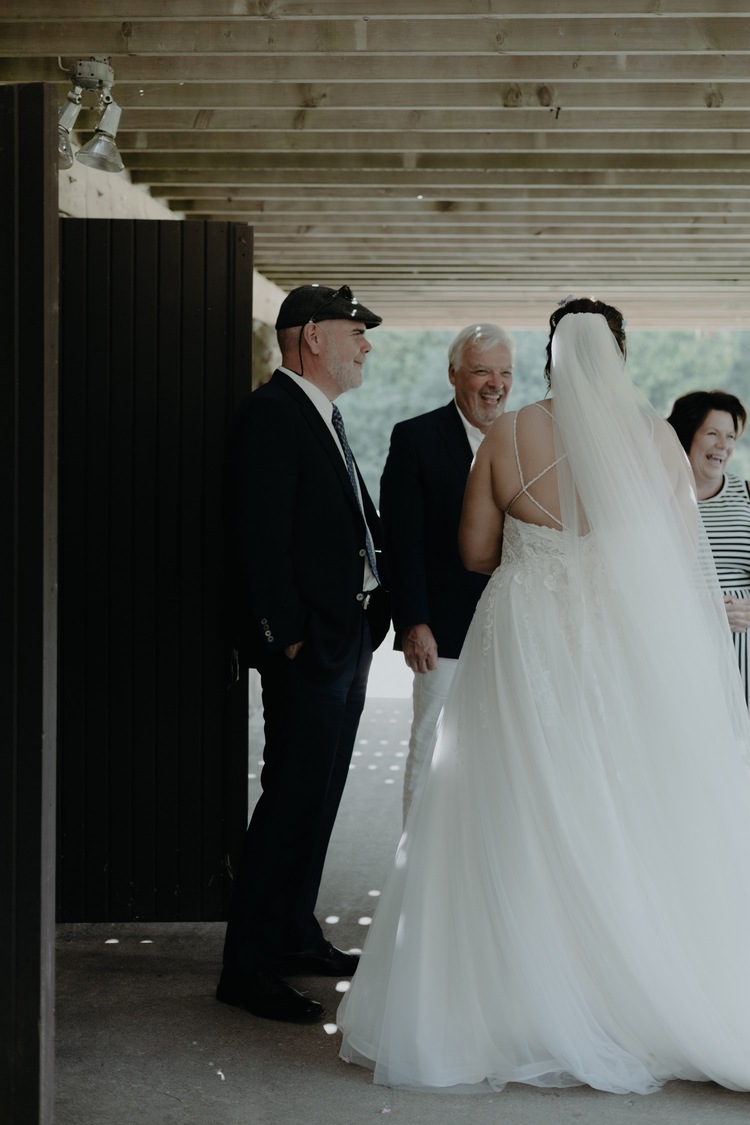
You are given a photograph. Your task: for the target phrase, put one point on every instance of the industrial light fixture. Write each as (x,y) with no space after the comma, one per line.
(101,151)
(69,111)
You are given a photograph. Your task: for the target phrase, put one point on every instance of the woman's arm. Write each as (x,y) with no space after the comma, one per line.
(480,533)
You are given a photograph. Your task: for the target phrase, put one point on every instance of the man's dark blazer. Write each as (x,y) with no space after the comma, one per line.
(421,495)
(296,532)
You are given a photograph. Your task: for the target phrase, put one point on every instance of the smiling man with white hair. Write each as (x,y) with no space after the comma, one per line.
(421,494)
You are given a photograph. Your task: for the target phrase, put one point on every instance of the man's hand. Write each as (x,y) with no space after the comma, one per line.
(420,648)
(738,613)
(291,650)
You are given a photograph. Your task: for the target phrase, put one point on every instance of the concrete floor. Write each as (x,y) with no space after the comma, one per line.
(141,1039)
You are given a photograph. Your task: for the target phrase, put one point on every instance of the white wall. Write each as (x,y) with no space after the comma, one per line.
(86,193)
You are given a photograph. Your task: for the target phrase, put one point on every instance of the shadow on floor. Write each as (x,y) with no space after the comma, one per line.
(140,1038)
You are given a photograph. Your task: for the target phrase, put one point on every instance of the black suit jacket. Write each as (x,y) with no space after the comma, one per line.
(421,495)
(296,532)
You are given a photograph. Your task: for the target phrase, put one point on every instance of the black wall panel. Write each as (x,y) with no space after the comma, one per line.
(156,337)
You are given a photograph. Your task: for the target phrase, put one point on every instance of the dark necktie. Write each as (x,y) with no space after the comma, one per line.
(338,425)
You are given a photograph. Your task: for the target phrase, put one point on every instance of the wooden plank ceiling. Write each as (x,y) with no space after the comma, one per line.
(450,160)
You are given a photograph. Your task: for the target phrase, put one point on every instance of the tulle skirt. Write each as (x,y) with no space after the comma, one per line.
(570,900)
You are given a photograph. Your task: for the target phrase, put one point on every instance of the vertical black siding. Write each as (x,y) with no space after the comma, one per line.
(156,351)
(28,612)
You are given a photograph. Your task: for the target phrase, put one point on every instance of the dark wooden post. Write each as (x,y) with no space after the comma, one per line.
(28,598)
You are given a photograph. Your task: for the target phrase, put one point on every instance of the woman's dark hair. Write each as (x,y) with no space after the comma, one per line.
(586,305)
(690,411)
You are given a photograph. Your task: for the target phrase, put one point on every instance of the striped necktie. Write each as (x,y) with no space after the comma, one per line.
(338,425)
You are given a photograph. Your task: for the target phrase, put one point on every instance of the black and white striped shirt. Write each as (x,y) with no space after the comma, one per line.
(726,517)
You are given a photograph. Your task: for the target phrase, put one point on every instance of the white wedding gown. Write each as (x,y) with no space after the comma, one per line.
(570,900)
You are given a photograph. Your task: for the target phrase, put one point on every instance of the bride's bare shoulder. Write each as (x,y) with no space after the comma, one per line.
(522,423)
(533,416)
(500,430)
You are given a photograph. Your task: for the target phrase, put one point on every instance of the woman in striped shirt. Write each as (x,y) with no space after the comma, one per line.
(708,424)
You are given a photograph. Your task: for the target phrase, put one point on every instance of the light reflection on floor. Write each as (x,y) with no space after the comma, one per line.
(374,792)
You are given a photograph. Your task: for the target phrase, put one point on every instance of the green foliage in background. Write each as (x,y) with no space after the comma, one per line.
(406,374)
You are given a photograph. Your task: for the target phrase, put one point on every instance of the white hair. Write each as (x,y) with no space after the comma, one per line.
(484,336)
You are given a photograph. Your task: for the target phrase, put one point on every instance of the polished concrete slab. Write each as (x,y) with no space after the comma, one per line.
(141,1039)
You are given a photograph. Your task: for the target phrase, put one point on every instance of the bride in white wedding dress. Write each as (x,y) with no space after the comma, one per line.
(570,900)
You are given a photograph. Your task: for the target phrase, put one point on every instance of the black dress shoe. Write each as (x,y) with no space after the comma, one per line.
(328,962)
(266,995)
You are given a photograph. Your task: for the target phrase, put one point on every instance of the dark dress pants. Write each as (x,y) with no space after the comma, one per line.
(311,711)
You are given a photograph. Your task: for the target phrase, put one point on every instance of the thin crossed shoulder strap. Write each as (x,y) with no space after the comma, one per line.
(526,485)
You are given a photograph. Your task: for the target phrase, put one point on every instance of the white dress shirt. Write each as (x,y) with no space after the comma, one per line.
(474,435)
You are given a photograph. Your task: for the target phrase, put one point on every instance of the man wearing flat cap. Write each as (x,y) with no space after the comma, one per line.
(310,606)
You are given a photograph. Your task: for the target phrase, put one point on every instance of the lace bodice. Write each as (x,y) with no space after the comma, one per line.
(534,553)
(562,571)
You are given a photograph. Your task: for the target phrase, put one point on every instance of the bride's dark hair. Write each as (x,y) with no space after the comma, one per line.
(586,305)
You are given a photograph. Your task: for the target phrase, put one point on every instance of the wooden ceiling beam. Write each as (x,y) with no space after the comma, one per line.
(455,183)
(713,68)
(518,201)
(541,256)
(487,273)
(527,102)
(315,123)
(305,165)
(556,282)
(575,279)
(412,142)
(659,228)
(500,210)
(726,255)
(492,257)
(490,35)
(405,10)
